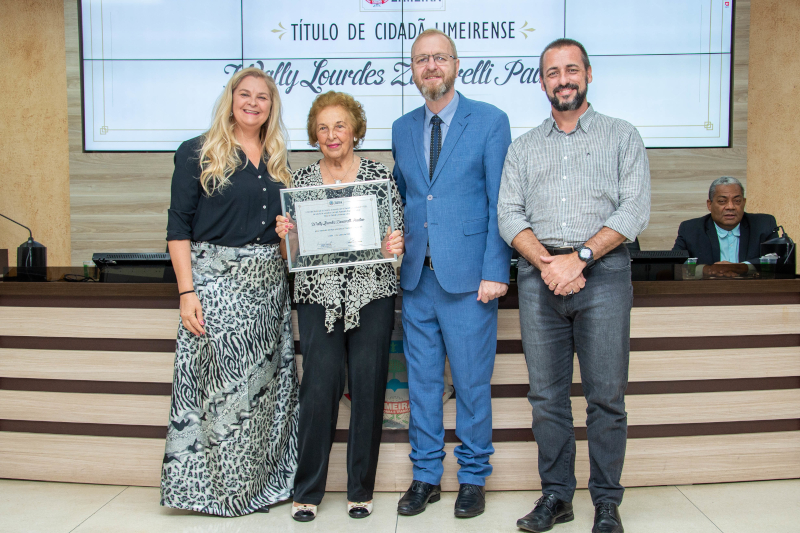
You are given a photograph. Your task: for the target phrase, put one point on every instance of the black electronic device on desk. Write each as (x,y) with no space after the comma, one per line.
(135,268)
(656,265)
(783,247)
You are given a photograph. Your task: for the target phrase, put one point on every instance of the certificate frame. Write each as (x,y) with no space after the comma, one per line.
(306,206)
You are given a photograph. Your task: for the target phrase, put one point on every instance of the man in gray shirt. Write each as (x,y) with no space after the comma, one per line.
(574,189)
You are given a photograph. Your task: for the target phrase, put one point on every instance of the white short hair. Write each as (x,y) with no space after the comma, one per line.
(724,180)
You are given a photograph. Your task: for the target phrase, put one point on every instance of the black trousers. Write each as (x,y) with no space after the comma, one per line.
(364,352)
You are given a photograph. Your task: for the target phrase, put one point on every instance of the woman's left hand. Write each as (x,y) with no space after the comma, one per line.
(393,244)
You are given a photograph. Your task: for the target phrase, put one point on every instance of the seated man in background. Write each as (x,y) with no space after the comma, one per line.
(727,235)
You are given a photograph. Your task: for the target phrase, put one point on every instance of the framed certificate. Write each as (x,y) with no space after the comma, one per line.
(338,225)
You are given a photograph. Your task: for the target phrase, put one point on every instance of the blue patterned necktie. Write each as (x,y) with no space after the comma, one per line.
(436,143)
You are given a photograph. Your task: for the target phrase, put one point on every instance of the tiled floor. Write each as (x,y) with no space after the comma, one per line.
(762,507)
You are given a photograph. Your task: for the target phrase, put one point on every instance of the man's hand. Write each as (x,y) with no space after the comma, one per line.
(560,271)
(725,269)
(489,290)
(574,287)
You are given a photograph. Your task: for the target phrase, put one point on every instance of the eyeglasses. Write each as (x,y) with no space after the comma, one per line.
(439,59)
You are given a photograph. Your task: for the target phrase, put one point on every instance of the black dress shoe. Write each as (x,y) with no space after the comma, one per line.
(548,511)
(417,497)
(471,500)
(607,519)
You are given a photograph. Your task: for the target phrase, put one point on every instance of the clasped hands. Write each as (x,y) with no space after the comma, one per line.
(563,274)
(392,244)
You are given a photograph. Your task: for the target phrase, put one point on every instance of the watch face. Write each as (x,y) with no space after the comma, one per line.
(585,254)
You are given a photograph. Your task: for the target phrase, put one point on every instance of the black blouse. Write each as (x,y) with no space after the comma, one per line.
(242,213)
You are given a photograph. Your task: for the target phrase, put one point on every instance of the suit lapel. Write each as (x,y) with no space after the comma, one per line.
(457,125)
(711,231)
(417,132)
(744,238)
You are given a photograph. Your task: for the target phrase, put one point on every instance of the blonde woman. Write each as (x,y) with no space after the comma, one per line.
(232,438)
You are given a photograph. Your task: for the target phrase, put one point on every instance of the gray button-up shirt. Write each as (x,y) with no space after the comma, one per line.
(567,186)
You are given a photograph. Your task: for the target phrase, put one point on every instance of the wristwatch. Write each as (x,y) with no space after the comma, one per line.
(586,255)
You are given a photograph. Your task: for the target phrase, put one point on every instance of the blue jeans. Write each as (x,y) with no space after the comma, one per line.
(595,323)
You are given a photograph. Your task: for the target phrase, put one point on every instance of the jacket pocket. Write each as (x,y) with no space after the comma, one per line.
(479,225)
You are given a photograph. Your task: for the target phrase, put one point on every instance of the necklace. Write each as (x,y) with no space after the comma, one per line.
(339,181)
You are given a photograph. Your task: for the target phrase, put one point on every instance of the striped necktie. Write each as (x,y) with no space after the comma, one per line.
(436,143)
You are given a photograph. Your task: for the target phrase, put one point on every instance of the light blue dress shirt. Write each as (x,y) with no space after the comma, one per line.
(446,115)
(728,243)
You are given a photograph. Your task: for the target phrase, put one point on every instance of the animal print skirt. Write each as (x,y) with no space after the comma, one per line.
(232,437)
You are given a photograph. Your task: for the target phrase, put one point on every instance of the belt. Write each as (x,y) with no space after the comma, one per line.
(428,262)
(559,250)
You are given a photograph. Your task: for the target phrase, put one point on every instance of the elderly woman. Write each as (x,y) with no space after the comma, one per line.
(232,438)
(345,317)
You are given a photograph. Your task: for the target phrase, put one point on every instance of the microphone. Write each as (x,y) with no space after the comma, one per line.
(783,246)
(31,256)
(30,234)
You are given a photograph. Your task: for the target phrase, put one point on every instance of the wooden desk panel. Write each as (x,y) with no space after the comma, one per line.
(86,369)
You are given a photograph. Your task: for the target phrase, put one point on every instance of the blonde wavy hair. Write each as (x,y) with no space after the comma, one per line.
(219,156)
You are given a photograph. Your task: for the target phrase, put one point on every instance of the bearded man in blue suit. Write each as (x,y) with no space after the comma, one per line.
(449,158)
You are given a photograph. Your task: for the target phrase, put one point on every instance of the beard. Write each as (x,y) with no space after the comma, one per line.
(571,105)
(434,93)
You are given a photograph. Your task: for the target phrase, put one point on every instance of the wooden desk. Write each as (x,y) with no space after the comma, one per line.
(714,394)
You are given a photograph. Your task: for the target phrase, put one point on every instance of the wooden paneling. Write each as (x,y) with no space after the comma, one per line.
(648,409)
(664,461)
(79,459)
(126,409)
(773,163)
(140,367)
(119,200)
(34,150)
(689,321)
(679,365)
(89,323)
(509,369)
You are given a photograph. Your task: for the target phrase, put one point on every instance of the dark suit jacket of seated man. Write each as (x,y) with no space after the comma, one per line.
(699,237)
(726,220)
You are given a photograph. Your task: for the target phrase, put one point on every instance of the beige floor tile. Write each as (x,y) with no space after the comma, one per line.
(137,510)
(502,511)
(645,510)
(768,506)
(36,506)
(661,510)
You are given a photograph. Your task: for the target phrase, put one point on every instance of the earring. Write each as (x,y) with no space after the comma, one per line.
(231,114)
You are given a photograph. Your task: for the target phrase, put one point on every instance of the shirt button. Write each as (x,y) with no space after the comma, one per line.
(563,178)
(258,238)
(266,188)
(430,197)
(563,199)
(260,176)
(425,225)
(563,223)
(262,222)
(265,207)
(564,158)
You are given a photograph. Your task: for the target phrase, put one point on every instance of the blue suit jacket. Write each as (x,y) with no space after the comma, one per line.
(699,237)
(456,210)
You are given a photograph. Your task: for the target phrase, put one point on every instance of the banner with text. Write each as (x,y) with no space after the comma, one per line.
(152,70)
